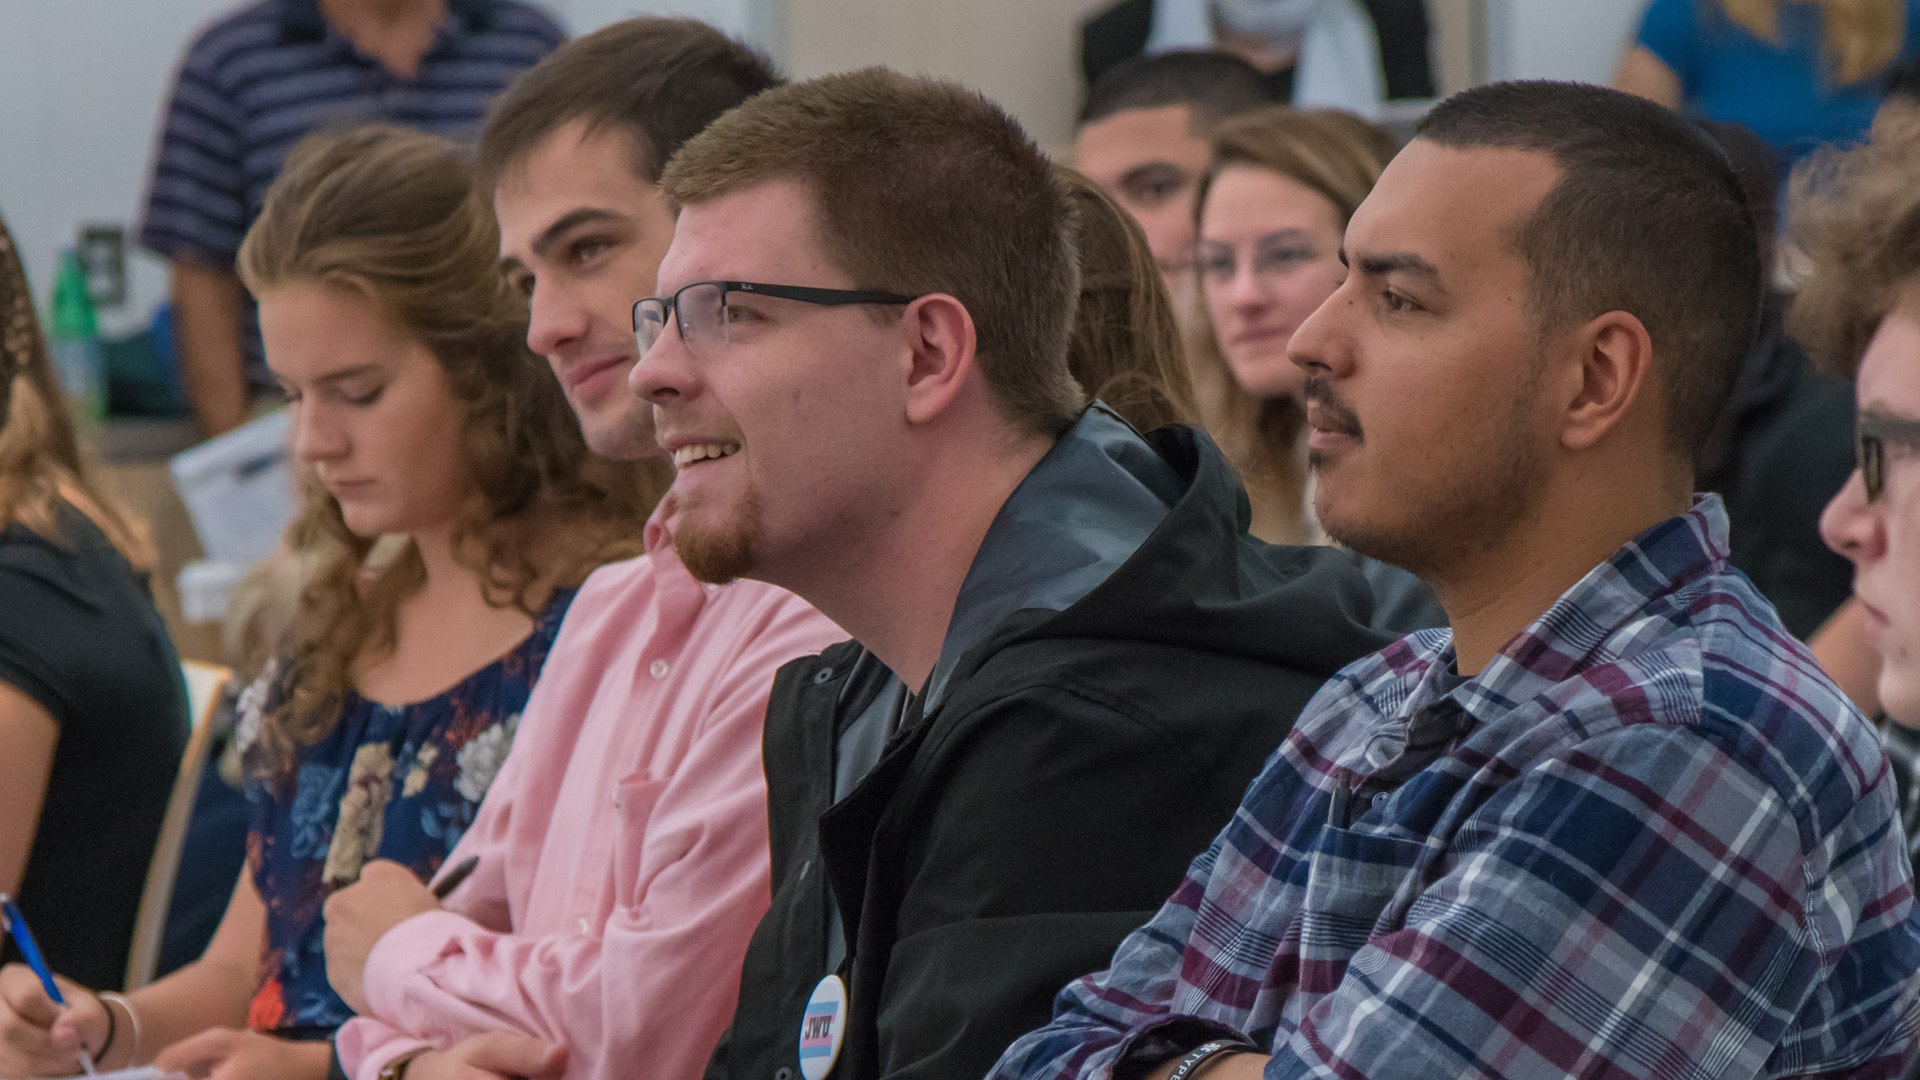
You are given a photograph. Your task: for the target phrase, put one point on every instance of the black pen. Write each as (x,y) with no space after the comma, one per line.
(451,880)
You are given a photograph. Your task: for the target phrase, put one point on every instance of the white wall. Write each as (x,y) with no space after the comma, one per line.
(751,19)
(1558,39)
(82,83)
(1022,53)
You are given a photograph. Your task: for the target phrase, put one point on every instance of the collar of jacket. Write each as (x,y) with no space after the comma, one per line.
(1197,581)
(1081,512)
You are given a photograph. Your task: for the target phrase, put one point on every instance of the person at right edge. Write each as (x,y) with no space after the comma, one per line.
(1614,822)
(1070,658)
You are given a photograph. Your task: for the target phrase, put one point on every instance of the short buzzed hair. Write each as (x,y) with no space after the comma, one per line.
(921,186)
(1647,218)
(1213,85)
(661,79)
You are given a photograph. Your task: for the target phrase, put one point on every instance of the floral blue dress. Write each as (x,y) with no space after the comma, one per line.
(389,782)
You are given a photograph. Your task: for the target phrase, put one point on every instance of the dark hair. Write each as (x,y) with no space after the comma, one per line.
(1647,218)
(1902,81)
(921,186)
(1755,165)
(1214,85)
(1126,346)
(662,79)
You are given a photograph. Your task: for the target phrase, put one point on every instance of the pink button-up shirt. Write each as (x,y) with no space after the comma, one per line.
(623,847)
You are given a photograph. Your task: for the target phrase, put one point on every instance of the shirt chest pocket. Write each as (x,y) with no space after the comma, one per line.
(634,800)
(1359,885)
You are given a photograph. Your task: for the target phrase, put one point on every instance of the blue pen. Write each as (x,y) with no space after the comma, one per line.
(16,924)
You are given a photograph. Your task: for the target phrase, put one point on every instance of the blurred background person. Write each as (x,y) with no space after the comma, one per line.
(93,711)
(1125,349)
(1273,208)
(1845,645)
(1855,215)
(256,82)
(1799,73)
(418,413)
(1142,138)
(1312,53)
(1784,443)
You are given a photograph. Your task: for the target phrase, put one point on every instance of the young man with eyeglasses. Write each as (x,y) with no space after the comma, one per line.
(1615,821)
(1859,306)
(1069,655)
(622,851)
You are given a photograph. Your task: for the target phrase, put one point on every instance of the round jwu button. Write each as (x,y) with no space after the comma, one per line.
(823,1028)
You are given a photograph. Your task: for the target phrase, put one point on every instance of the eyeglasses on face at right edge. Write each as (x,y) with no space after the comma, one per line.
(705,320)
(1874,436)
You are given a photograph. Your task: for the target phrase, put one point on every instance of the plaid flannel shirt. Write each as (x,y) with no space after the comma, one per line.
(1649,839)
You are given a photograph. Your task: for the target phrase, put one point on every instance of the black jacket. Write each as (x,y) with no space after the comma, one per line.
(1073,764)
(1782,449)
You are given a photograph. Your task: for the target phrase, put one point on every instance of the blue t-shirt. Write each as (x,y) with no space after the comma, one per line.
(388,782)
(1783,91)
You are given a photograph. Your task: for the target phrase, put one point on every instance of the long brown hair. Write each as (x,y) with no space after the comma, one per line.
(1861,37)
(393,215)
(1340,156)
(40,465)
(1126,348)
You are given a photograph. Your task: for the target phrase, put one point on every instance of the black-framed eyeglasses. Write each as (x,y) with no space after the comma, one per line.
(705,319)
(1872,437)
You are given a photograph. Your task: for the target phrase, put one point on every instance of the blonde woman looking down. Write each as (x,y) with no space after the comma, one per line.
(418,414)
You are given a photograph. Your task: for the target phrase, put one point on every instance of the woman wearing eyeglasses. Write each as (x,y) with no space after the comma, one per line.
(1859,307)
(93,714)
(419,417)
(1273,206)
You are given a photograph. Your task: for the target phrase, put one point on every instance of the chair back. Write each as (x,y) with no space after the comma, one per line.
(205,683)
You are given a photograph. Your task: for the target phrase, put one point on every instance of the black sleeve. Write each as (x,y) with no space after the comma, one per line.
(1401,26)
(1114,35)
(1062,826)
(37,629)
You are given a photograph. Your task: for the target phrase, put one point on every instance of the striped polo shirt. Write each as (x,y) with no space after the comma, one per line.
(255,83)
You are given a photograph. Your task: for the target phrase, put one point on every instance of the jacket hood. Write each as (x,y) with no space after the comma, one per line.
(1200,582)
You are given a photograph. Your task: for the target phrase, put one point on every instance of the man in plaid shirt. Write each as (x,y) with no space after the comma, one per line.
(1614,822)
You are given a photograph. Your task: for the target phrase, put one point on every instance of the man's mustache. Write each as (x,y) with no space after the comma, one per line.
(1327,412)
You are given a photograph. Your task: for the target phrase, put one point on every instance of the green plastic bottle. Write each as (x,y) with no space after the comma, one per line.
(74,336)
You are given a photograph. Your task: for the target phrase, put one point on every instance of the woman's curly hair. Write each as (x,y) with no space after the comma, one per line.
(393,215)
(1855,215)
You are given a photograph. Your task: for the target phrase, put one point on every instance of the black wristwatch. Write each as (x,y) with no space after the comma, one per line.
(1198,1057)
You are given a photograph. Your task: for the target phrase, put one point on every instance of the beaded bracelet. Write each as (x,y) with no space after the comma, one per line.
(1206,1052)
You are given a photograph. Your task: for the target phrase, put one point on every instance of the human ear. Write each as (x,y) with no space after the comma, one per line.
(940,354)
(1616,358)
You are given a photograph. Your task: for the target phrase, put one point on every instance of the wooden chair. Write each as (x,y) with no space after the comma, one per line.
(205,683)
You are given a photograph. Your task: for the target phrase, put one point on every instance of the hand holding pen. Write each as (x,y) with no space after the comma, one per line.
(15,926)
